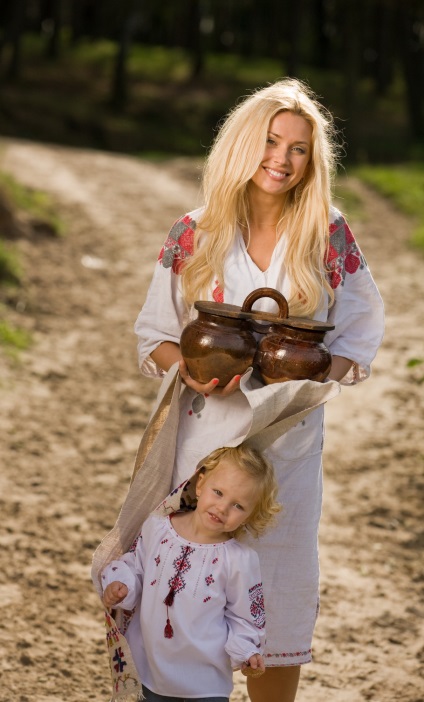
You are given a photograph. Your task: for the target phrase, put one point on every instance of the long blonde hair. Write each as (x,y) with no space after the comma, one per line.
(234,158)
(253,463)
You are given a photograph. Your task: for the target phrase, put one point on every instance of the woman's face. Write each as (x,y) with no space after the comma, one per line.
(287,154)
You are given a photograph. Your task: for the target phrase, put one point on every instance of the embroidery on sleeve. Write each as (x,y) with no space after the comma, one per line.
(344,255)
(257,608)
(179,244)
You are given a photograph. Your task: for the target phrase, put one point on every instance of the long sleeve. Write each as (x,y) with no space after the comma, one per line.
(245,613)
(358,311)
(128,570)
(164,313)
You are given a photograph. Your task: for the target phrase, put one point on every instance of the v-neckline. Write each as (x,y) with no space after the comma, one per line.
(245,251)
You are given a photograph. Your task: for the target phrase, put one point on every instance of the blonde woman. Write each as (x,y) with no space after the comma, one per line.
(268,221)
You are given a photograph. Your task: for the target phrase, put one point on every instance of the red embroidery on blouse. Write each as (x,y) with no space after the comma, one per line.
(343,255)
(179,244)
(218,293)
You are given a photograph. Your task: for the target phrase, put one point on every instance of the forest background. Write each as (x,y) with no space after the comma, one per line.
(107,109)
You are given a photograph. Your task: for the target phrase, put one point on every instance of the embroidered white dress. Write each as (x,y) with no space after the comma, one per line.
(288,553)
(217,615)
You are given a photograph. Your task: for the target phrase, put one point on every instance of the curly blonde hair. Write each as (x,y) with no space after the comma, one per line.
(254,464)
(234,158)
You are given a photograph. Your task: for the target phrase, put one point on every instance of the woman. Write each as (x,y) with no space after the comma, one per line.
(268,221)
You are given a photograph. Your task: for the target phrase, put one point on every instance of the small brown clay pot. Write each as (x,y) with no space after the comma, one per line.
(218,344)
(293,353)
(291,348)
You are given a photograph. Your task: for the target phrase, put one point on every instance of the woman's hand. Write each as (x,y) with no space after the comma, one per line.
(114,593)
(211,387)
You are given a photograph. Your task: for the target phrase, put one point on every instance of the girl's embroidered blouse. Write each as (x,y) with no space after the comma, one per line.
(218,608)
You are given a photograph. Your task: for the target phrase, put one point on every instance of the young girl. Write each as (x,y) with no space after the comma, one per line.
(268,221)
(196,588)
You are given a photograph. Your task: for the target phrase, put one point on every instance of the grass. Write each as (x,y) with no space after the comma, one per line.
(10,267)
(37,204)
(404,186)
(348,202)
(13,339)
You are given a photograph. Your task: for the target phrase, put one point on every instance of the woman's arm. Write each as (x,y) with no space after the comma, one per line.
(166,354)
(339,367)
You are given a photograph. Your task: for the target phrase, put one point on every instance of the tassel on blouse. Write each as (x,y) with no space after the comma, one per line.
(168,632)
(169,599)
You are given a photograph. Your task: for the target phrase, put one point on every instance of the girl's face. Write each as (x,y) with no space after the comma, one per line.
(287,154)
(226,497)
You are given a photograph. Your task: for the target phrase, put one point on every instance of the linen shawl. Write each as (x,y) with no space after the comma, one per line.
(270,411)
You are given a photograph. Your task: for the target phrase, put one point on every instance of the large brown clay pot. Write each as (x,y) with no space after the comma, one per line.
(218,344)
(291,348)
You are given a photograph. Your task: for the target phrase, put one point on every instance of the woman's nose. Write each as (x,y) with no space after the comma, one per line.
(281,156)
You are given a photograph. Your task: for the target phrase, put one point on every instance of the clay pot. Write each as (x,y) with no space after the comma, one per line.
(218,344)
(291,348)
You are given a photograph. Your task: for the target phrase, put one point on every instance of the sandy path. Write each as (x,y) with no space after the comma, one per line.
(73,411)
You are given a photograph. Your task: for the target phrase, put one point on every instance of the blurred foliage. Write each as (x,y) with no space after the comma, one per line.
(37,204)
(13,339)
(10,267)
(404,185)
(137,75)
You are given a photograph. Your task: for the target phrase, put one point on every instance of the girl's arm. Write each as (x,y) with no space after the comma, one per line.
(245,608)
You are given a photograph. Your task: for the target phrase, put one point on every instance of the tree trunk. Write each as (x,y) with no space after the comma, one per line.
(15,31)
(352,10)
(412,59)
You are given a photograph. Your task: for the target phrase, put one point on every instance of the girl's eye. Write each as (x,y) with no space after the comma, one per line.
(217,492)
(237,506)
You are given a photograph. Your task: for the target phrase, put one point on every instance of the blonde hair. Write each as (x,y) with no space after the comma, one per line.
(253,463)
(234,158)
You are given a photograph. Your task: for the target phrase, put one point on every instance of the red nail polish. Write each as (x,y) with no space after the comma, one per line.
(215,381)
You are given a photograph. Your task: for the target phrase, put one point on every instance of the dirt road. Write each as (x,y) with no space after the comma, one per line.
(73,410)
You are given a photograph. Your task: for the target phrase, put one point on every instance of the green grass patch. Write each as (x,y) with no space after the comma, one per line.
(404,186)
(37,204)
(348,202)
(13,339)
(10,267)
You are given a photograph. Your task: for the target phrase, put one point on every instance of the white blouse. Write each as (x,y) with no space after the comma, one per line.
(217,615)
(357,312)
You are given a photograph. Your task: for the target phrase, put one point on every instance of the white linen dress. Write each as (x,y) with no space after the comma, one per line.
(289,552)
(217,615)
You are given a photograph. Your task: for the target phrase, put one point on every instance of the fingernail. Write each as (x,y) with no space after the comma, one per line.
(215,381)
(237,377)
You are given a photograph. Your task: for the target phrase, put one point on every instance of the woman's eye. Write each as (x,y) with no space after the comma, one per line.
(299,149)
(270,141)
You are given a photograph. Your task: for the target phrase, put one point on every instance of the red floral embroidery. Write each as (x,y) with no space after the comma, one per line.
(179,244)
(218,293)
(343,255)
(257,609)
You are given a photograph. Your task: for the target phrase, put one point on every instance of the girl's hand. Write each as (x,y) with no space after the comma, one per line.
(208,388)
(255,666)
(114,593)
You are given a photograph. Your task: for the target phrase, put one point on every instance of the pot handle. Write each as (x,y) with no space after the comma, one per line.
(283,307)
